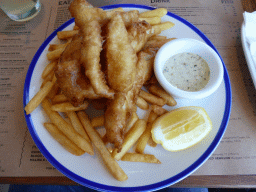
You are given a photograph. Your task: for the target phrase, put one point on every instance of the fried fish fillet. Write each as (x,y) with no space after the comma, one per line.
(123,105)
(70,76)
(144,71)
(139,33)
(115,119)
(130,17)
(77,9)
(121,57)
(121,72)
(87,18)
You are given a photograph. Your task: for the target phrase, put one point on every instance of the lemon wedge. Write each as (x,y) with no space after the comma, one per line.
(181,128)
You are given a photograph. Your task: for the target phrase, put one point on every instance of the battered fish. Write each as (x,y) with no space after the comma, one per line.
(121,57)
(119,110)
(121,72)
(70,75)
(87,18)
(130,17)
(115,120)
(139,33)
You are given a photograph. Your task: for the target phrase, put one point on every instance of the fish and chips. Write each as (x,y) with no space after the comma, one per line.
(107,62)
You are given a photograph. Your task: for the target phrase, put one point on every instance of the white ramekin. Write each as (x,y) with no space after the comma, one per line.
(192,46)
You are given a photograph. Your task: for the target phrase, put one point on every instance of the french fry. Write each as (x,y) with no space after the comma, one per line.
(59,99)
(151,20)
(158,110)
(145,158)
(141,103)
(143,140)
(133,118)
(158,91)
(160,12)
(53,47)
(66,34)
(108,160)
(66,107)
(157,42)
(77,124)
(66,128)
(98,121)
(49,77)
(63,140)
(164,26)
(54,55)
(152,99)
(151,142)
(157,37)
(130,138)
(39,97)
(68,120)
(152,116)
(48,69)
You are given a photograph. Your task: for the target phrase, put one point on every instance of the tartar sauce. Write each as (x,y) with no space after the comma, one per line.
(187,71)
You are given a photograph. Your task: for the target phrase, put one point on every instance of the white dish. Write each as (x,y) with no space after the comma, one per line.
(182,45)
(248,56)
(88,170)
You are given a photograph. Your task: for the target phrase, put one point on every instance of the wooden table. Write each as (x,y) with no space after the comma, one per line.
(219,181)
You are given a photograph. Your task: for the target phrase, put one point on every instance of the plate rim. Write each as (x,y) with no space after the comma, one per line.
(155,186)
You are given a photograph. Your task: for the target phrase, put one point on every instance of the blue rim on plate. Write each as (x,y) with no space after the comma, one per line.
(155,186)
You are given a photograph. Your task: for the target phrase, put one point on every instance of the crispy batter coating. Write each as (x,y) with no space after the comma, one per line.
(70,77)
(90,51)
(119,110)
(121,57)
(77,9)
(88,20)
(115,119)
(130,17)
(139,33)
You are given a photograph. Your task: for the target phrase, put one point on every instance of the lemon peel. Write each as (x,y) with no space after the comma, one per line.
(181,128)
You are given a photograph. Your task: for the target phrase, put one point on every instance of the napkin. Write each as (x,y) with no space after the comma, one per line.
(250,32)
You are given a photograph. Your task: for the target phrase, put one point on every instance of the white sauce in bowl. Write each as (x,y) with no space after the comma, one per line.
(187,71)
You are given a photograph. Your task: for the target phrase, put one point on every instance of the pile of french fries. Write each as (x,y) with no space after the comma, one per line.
(78,134)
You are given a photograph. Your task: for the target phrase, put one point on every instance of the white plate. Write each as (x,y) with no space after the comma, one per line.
(248,56)
(89,170)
